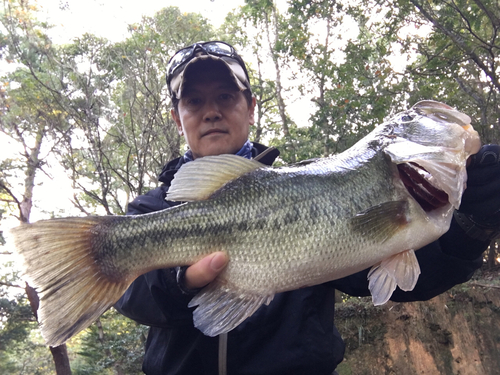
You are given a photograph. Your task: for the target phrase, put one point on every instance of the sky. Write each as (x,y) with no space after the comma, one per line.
(109,18)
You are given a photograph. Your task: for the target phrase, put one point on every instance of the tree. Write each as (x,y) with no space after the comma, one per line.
(464,48)
(264,15)
(114,345)
(122,115)
(27,117)
(95,106)
(344,54)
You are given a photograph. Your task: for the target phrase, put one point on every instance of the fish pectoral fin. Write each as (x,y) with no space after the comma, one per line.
(199,179)
(221,309)
(382,221)
(401,270)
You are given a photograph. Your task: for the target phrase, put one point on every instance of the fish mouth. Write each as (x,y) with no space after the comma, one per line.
(417,181)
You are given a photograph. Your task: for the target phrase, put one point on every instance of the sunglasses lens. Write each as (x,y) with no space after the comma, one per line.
(178,59)
(219,48)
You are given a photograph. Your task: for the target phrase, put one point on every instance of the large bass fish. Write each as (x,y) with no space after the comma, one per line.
(283,228)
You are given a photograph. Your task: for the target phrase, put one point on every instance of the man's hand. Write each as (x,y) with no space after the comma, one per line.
(479,212)
(206,270)
(482,196)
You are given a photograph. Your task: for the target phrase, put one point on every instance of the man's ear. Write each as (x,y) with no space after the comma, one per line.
(177,120)
(251,111)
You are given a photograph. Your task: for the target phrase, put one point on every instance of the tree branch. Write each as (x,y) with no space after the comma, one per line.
(459,42)
(11,285)
(11,194)
(485,285)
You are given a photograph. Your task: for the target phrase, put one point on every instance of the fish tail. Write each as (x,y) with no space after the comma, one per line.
(59,260)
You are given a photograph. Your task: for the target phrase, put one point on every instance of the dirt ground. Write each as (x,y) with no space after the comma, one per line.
(455,333)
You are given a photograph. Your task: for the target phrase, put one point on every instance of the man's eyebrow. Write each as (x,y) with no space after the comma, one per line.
(228,86)
(222,86)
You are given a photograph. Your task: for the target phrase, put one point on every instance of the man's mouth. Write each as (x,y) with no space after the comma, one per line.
(214,131)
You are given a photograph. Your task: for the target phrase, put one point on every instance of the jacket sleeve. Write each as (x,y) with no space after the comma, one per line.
(154,299)
(449,261)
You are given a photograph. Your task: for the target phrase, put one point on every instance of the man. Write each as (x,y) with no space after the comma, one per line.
(213,110)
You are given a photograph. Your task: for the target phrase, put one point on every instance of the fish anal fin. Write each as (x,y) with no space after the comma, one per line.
(200,178)
(382,221)
(221,309)
(401,270)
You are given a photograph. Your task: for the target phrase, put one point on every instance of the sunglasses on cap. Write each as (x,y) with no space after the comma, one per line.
(214,48)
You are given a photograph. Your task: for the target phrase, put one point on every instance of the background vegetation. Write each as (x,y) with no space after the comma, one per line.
(98,110)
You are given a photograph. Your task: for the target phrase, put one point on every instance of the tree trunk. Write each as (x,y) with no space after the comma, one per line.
(59,353)
(279,88)
(61,359)
(260,112)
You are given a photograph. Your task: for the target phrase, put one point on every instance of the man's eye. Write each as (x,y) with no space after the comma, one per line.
(194,101)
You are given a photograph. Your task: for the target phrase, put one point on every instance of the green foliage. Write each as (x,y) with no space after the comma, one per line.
(113,345)
(352,82)
(101,104)
(16,319)
(28,358)
(459,61)
(16,325)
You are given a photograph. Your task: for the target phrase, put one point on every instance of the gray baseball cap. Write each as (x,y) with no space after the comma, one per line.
(194,56)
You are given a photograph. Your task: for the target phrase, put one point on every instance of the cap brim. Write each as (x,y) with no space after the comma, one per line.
(235,71)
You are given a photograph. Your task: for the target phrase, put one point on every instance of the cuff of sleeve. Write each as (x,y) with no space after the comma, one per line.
(181,282)
(458,244)
(475,230)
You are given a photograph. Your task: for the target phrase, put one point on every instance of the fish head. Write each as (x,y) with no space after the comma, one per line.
(430,143)
(431,123)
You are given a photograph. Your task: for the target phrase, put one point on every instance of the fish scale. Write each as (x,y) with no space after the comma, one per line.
(282,228)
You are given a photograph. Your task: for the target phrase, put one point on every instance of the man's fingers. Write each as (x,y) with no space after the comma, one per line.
(486,156)
(206,270)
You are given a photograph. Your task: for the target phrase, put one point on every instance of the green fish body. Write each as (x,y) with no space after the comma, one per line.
(282,228)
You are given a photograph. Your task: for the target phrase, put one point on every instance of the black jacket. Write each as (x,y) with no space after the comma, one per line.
(295,334)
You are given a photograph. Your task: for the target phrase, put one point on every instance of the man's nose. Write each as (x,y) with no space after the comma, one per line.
(212,112)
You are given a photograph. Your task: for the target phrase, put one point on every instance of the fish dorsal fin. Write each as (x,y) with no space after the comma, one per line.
(221,309)
(401,270)
(199,179)
(382,221)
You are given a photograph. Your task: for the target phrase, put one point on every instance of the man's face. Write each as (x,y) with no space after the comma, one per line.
(213,116)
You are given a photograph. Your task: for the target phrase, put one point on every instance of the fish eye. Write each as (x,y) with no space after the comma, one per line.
(406,118)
